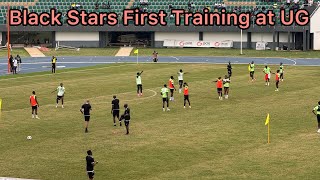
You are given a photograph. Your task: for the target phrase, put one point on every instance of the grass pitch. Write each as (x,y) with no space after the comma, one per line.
(213,140)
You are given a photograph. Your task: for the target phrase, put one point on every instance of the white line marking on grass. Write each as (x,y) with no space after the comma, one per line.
(74,71)
(295,63)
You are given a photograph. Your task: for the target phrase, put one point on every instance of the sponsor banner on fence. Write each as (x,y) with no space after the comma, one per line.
(216,44)
(261,45)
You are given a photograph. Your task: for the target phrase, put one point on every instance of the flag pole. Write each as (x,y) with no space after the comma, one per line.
(137,57)
(8,39)
(269,132)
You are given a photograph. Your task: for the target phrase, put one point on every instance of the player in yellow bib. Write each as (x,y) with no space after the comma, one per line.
(165,93)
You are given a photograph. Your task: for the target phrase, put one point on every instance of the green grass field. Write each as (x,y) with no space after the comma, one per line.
(173,52)
(213,140)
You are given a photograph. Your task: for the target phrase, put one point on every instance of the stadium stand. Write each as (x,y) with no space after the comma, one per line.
(237,6)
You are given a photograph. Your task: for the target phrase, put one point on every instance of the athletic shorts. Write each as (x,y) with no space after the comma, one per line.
(59,97)
(116,113)
(126,122)
(86,118)
(266,76)
(229,72)
(164,99)
(219,89)
(34,107)
(318,118)
(171,90)
(226,88)
(53,65)
(91,174)
(180,82)
(186,97)
(251,74)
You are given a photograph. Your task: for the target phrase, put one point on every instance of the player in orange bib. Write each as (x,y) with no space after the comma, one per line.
(172,88)
(277,80)
(219,85)
(34,105)
(186,95)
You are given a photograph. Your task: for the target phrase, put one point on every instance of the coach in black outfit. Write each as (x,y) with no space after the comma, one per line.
(90,164)
(115,110)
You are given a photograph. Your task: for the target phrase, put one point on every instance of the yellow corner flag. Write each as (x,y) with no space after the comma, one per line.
(268,123)
(0,104)
(267,120)
(136,51)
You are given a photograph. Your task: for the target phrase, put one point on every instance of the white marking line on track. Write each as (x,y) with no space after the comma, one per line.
(295,63)
(73,102)
(175,58)
(61,62)
(74,71)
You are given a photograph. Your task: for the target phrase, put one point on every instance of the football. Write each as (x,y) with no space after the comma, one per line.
(29,137)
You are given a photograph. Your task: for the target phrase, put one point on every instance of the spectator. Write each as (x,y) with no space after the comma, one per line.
(170,6)
(223,5)
(296,1)
(18,58)
(96,5)
(15,65)
(275,6)
(189,4)
(73,5)
(193,6)
(264,11)
(108,5)
(78,6)
(288,2)
(104,5)
(282,6)
(11,63)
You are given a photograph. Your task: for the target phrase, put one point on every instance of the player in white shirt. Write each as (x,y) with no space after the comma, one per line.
(61,90)
(180,79)
(139,83)
(15,65)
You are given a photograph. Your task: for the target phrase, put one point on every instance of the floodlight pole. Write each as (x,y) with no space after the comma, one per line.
(241,41)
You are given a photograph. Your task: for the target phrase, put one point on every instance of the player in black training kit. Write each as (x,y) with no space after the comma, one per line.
(90,165)
(115,110)
(126,117)
(229,68)
(85,110)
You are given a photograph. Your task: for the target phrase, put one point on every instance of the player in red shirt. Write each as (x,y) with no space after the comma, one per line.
(34,105)
(186,95)
(171,87)
(219,85)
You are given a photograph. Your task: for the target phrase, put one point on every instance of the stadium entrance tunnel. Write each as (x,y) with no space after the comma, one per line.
(129,39)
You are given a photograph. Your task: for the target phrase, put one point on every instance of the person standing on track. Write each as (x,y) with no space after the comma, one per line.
(226,85)
(180,79)
(139,83)
(165,94)
(219,87)
(316,111)
(155,56)
(186,95)
(252,71)
(54,64)
(18,58)
(85,110)
(267,74)
(90,165)
(15,66)
(11,63)
(34,105)
(281,71)
(172,88)
(115,110)
(60,96)
(229,68)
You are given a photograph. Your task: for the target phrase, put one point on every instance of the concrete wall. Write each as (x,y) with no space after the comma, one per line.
(78,39)
(315,29)
(191,36)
